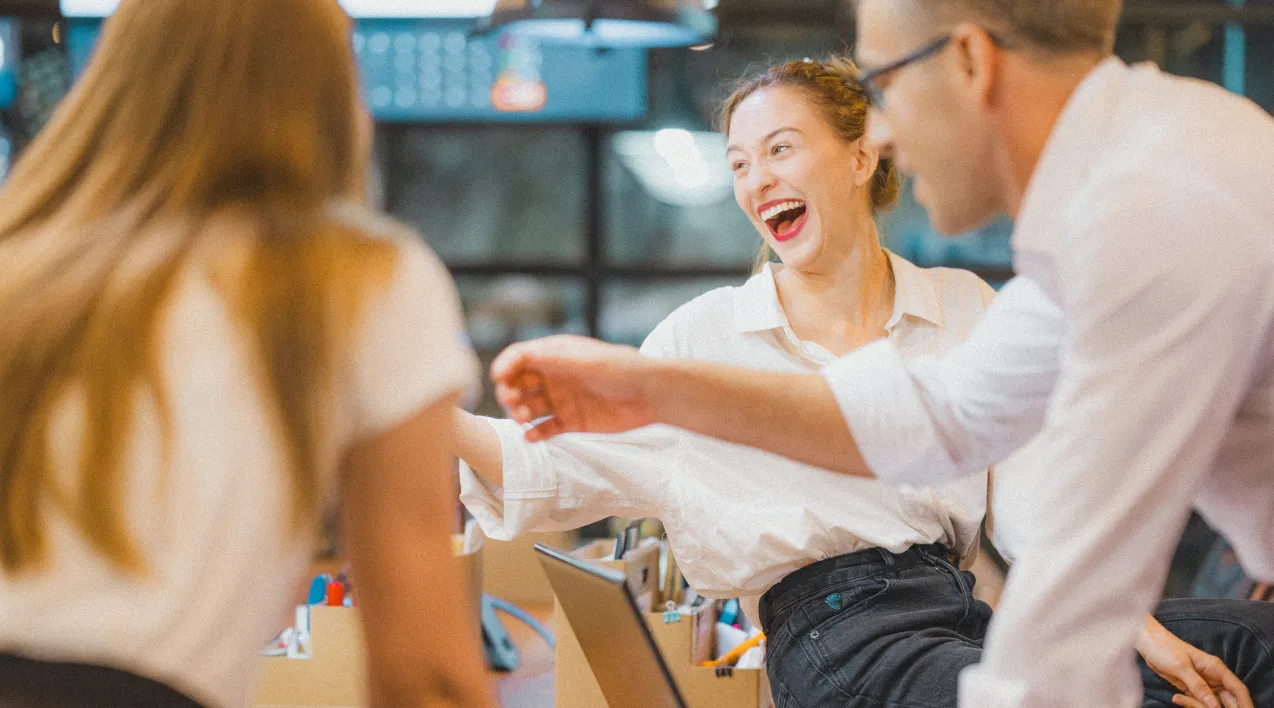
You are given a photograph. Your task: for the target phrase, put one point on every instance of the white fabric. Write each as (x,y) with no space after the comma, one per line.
(213,528)
(740,519)
(1139,338)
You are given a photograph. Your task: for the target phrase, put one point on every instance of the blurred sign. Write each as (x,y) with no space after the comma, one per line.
(8,63)
(435,71)
(356,8)
(6,152)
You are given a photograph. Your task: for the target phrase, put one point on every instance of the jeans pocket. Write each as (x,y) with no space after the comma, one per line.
(839,603)
(842,627)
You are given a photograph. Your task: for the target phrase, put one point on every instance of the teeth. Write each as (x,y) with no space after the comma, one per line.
(779,209)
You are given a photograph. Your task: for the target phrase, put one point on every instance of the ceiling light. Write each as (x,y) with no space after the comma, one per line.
(359,9)
(678,167)
(607,23)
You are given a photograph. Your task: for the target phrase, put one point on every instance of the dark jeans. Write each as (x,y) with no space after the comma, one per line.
(878,630)
(25,683)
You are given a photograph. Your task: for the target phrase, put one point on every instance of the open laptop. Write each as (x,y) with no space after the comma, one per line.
(612,632)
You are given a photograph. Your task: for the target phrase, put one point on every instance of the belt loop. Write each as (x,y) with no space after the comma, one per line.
(886,556)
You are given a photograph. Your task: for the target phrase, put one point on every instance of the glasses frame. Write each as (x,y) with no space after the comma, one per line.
(868,80)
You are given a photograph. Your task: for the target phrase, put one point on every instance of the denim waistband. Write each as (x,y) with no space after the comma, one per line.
(816,577)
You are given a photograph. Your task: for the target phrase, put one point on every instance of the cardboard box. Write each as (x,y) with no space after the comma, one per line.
(511,572)
(335,674)
(684,643)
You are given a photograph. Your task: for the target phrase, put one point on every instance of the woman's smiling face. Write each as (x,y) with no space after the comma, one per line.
(801,184)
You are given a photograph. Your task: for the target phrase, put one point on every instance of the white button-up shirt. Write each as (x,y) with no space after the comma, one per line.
(1140,338)
(740,519)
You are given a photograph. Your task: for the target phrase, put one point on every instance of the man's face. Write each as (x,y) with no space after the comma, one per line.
(933,125)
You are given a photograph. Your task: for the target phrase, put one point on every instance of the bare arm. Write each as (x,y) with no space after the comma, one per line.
(589,386)
(478,445)
(418,616)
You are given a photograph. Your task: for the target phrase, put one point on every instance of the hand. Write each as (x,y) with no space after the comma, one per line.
(1204,680)
(583,384)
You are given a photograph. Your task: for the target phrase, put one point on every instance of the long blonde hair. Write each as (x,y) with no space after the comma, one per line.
(190,112)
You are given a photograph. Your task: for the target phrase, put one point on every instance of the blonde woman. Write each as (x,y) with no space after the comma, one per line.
(203,342)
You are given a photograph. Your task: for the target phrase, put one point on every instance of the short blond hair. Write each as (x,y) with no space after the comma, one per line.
(1051,25)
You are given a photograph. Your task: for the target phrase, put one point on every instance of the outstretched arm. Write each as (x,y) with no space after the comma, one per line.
(589,386)
(477,444)
(920,421)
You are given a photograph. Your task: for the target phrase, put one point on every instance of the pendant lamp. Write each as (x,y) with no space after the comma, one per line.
(607,23)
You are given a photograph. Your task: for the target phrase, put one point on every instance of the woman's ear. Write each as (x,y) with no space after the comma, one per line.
(866,160)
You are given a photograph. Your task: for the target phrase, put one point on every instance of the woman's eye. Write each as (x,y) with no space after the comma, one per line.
(738,166)
(780,149)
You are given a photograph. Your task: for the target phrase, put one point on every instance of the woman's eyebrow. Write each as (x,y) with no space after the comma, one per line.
(786,129)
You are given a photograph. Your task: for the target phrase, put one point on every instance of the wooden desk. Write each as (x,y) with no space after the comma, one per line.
(531,686)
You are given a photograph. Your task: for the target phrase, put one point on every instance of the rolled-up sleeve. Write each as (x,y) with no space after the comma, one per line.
(575,480)
(928,421)
(570,481)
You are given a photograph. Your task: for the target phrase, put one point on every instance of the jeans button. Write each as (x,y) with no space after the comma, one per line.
(814,634)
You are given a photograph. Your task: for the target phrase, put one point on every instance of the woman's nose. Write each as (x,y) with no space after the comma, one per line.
(761,179)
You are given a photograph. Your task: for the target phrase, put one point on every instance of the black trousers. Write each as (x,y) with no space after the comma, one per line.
(873,629)
(25,683)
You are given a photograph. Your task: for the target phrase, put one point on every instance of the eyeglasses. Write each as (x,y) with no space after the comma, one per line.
(870,80)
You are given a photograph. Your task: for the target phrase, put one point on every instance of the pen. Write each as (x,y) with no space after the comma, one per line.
(736,653)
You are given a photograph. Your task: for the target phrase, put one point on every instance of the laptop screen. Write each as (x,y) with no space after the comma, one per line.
(612,632)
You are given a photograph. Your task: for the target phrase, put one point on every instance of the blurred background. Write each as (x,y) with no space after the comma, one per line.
(581,189)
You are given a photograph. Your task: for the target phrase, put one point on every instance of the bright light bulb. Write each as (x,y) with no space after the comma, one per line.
(674,143)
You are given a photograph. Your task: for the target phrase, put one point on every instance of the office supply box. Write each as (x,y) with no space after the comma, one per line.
(684,640)
(333,672)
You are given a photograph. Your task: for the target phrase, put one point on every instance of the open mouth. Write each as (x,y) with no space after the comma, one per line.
(785,219)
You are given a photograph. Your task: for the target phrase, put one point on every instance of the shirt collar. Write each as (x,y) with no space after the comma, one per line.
(756,303)
(757,307)
(914,293)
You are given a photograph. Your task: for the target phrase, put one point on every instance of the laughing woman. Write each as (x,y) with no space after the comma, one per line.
(744,523)
(857,585)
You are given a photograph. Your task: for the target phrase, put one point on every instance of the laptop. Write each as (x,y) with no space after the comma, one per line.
(612,632)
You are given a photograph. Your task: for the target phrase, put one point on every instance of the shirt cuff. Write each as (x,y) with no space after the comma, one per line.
(530,487)
(889,420)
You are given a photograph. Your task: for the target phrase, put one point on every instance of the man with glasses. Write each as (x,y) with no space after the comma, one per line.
(1137,341)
